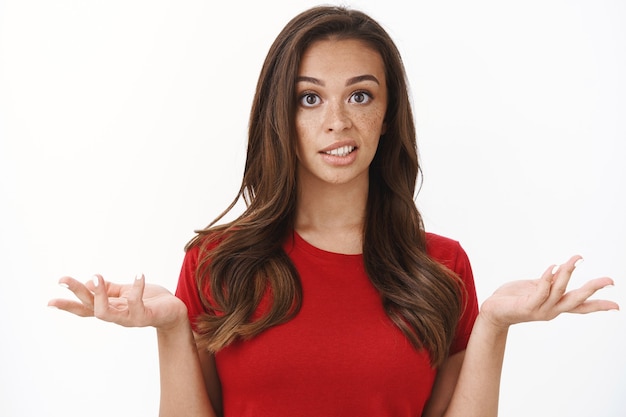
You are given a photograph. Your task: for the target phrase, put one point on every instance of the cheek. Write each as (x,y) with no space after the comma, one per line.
(373,121)
(306,125)
(301,122)
(302,129)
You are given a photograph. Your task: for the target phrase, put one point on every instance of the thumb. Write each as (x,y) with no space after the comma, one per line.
(136,308)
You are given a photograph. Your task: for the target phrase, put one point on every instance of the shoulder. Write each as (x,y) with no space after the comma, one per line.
(197,251)
(446,251)
(440,246)
(451,254)
(204,242)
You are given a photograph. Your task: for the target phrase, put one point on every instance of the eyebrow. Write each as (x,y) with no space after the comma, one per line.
(350,81)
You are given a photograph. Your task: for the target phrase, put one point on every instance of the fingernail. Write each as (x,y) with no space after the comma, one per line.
(96,281)
(555,269)
(578,262)
(64,284)
(138,277)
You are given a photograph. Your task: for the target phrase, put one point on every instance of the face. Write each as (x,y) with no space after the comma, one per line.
(342,100)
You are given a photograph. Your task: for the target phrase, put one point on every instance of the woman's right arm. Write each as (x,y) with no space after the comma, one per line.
(183,368)
(183,371)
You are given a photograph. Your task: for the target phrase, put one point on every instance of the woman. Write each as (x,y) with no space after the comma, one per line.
(326,296)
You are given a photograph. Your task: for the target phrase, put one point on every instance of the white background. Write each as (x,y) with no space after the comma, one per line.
(122,129)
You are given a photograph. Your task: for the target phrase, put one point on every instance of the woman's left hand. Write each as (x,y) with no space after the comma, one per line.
(545,298)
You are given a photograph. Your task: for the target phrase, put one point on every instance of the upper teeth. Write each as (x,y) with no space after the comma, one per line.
(342,151)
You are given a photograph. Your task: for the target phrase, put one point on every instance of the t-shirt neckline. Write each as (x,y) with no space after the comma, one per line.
(300,243)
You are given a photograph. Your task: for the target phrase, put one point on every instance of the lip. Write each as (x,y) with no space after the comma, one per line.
(339,144)
(340,161)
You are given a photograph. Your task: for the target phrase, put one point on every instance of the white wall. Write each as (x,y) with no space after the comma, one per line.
(122,128)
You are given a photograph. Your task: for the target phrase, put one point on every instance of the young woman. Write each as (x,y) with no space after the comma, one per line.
(326,297)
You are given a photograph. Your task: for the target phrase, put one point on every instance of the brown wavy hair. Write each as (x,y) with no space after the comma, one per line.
(420,296)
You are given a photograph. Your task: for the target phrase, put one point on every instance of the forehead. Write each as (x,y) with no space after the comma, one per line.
(341,57)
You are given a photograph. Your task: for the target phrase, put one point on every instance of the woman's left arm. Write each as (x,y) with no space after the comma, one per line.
(476,391)
(447,376)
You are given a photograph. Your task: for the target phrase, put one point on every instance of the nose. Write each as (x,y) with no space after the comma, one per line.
(337,117)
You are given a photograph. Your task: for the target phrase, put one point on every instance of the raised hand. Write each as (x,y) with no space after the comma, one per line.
(132,305)
(545,298)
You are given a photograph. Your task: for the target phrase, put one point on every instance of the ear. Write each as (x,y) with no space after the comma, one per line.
(384,128)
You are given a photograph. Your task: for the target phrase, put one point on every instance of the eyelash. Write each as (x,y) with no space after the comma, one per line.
(367,94)
(307,94)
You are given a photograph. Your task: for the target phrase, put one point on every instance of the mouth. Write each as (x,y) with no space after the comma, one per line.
(341,151)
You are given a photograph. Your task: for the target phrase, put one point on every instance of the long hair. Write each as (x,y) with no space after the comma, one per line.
(420,296)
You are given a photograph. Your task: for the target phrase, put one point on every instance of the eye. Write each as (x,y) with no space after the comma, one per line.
(360,97)
(309,99)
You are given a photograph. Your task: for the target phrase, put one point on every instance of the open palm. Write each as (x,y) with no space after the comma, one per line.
(545,298)
(130,305)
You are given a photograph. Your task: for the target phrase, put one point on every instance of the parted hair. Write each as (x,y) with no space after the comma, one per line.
(422,297)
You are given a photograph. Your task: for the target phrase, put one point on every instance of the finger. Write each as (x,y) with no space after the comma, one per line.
(135,298)
(100,299)
(561,279)
(578,300)
(112,289)
(79,289)
(542,291)
(70,306)
(592,306)
(548,274)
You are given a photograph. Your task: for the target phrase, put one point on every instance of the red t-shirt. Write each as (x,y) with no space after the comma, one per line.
(340,355)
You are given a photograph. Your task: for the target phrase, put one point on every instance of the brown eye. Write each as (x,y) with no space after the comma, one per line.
(309,100)
(360,97)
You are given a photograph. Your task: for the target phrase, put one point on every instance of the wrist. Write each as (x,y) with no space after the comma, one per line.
(178,322)
(485,324)
(181,328)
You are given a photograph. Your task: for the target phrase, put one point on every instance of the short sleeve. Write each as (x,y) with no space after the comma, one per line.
(450,254)
(187,289)
(466,323)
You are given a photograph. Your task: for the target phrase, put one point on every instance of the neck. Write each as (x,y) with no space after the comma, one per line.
(331,216)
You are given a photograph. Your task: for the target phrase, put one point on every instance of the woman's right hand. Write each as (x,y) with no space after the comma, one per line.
(132,305)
